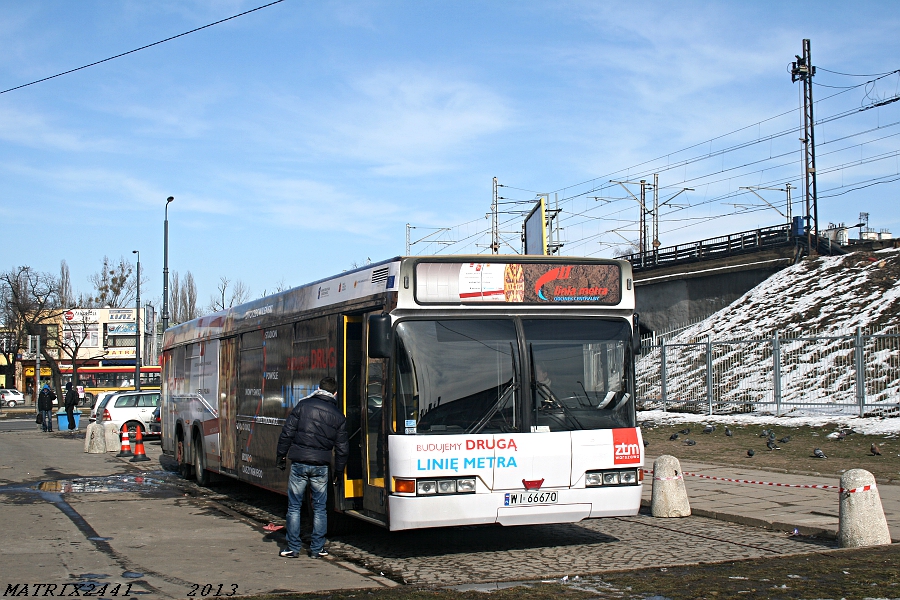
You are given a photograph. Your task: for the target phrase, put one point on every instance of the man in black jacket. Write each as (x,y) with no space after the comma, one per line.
(311,431)
(70,401)
(45,407)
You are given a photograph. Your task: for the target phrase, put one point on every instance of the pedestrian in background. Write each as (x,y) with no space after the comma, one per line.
(45,406)
(313,429)
(70,401)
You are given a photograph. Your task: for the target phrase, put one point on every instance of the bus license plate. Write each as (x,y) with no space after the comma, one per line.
(529,498)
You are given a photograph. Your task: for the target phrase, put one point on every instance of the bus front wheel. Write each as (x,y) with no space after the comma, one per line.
(184,469)
(200,472)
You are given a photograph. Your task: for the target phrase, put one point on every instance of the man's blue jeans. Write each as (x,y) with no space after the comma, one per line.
(317,477)
(47,425)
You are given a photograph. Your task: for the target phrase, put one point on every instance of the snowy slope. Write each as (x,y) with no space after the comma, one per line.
(810,305)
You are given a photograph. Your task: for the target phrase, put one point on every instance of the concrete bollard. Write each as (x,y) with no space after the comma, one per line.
(112,437)
(862,521)
(669,498)
(95,439)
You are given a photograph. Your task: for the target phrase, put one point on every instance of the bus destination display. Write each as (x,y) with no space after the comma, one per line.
(465,283)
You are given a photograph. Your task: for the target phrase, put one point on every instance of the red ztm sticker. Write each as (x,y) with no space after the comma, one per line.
(626,447)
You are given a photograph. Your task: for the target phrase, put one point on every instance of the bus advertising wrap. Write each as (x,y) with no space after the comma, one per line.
(465,283)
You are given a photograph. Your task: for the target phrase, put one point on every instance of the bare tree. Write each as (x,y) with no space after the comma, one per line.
(80,342)
(113,284)
(66,297)
(238,294)
(32,299)
(174,300)
(188,298)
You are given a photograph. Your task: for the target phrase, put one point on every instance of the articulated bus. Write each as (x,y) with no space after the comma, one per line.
(475,392)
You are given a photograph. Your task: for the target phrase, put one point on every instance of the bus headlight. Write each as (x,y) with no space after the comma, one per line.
(465,486)
(593,479)
(611,478)
(627,477)
(446,486)
(426,487)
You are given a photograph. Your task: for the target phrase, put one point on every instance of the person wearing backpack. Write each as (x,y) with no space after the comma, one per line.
(45,407)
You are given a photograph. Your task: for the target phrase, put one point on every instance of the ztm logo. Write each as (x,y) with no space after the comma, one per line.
(626,446)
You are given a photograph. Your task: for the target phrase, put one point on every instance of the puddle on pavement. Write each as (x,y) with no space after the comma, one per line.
(153,482)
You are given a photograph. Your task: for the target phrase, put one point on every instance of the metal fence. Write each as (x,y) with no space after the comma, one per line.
(836,374)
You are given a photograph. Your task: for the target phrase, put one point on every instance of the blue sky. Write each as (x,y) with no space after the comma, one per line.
(301,139)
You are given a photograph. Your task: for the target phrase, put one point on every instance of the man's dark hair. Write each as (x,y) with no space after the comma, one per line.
(328,384)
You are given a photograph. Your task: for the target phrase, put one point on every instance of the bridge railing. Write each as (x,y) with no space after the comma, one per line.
(712,248)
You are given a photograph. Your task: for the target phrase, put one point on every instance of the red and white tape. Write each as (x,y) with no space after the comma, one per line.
(668,478)
(865,488)
(791,485)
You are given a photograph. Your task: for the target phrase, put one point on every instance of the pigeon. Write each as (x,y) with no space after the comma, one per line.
(709,429)
(674,436)
(785,439)
(765,433)
(818,453)
(772,435)
(728,432)
(685,431)
(750,453)
(875,450)
(646,443)
(771,445)
(690,443)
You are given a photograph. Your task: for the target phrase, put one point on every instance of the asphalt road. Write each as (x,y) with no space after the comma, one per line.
(71,517)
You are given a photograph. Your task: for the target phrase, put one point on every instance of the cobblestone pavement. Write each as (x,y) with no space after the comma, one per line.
(484,554)
(469,555)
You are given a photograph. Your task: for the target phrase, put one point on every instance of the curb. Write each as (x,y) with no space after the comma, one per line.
(757,522)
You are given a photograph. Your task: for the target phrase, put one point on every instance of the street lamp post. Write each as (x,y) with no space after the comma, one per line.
(165,307)
(137,322)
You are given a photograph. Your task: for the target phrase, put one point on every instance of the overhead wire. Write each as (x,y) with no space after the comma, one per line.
(168,39)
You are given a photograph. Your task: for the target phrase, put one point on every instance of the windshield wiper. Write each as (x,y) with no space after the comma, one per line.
(501,401)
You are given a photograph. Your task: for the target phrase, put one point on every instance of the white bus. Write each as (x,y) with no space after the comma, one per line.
(475,392)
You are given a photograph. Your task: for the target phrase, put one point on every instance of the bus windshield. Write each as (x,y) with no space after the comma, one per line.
(457,376)
(465,376)
(580,373)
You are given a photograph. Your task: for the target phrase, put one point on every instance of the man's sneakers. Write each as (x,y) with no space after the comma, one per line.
(288,553)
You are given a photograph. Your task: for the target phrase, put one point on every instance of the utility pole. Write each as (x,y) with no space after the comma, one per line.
(37,366)
(495,226)
(803,70)
(137,326)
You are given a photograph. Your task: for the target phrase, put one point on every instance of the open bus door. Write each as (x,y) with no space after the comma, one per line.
(362,385)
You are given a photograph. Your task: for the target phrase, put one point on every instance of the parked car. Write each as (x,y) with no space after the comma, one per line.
(100,398)
(11,398)
(132,408)
(156,422)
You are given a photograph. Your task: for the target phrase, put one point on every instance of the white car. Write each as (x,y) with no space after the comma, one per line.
(97,402)
(132,408)
(11,398)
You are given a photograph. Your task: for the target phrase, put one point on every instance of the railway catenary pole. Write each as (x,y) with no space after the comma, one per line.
(803,70)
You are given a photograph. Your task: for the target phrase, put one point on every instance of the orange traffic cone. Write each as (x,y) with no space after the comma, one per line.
(126,443)
(139,454)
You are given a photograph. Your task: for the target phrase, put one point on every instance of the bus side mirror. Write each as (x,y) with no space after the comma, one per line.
(636,335)
(380,336)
